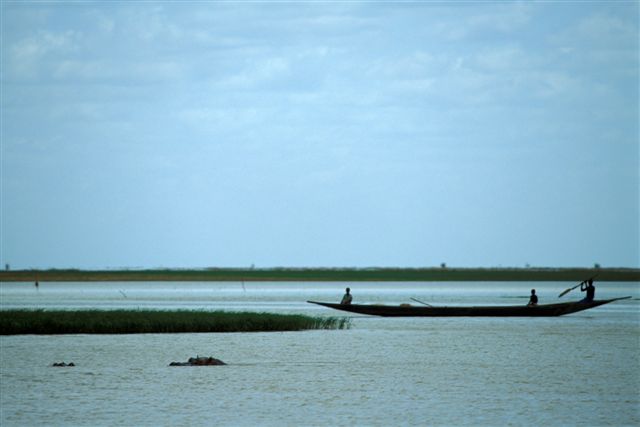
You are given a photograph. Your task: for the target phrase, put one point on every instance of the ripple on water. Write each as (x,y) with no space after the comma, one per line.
(381,372)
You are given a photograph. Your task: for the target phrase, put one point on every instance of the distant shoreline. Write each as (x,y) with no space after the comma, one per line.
(325,275)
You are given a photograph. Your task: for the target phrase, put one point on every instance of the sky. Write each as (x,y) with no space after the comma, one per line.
(319,134)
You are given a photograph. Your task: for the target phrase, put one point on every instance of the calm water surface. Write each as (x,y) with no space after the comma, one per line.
(581,369)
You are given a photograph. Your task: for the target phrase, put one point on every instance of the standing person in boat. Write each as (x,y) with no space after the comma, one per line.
(589,289)
(346,299)
(533,299)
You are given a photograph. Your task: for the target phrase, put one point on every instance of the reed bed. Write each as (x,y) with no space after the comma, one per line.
(45,322)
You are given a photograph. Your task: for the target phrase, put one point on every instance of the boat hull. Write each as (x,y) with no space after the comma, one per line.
(545,310)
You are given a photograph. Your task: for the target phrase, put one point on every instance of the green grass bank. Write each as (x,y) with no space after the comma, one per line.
(326,275)
(20,322)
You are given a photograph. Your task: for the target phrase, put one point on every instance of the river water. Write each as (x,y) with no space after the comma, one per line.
(580,369)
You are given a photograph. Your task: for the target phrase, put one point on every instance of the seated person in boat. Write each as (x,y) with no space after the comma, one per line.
(346,299)
(589,289)
(533,299)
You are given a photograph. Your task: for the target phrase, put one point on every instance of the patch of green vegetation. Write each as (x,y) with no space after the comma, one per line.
(441,274)
(19,322)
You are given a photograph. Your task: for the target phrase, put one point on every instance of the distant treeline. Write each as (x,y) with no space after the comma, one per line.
(441,274)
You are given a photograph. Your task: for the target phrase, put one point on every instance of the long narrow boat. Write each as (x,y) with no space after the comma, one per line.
(405,310)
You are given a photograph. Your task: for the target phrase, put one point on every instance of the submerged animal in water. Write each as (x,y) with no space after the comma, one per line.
(199,361)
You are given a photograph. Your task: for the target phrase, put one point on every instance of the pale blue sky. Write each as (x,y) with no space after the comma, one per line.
(177,134)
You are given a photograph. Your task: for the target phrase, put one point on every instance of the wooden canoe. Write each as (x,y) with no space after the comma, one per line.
(544,310)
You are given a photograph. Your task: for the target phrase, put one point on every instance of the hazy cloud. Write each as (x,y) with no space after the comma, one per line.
(344,122)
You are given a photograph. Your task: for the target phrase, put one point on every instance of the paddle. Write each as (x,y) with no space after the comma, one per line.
(566,291)
(417,300)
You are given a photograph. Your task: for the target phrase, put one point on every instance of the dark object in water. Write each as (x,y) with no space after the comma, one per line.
(544,310)
(63,365)
(199,361)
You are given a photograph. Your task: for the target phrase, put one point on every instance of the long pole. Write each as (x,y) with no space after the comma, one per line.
(421,302)
(566,291)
